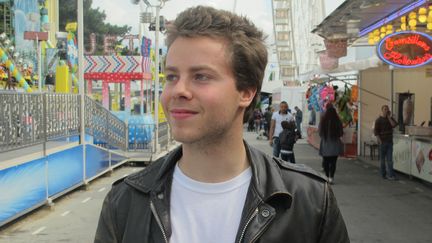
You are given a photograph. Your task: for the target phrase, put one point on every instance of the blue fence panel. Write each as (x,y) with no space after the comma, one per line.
(97,160)
(65,169)
(115,159)
(21,187)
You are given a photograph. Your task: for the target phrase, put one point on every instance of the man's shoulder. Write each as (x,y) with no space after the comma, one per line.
(145,179)
(300,170)
(381,119)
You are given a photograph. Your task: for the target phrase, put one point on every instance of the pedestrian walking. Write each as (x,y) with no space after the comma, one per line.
(383,130)
(257,115)
(276,128)
(298,120)
(330,130)
(215,187)
(288,138)
(267,117)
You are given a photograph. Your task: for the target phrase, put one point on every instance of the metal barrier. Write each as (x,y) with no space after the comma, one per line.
(106,129)
(62,115)
(163,135)
(136,139)
(30,119)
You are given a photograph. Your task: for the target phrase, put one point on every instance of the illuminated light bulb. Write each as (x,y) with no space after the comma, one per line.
(389,27)
(412,15)
(403,19)
(422,18)
(429,19)
(376,32)
(376,38)
(429,26)
(403,26)
(371,41)
(422,10)
(412,23)
(383,29)
(382,35)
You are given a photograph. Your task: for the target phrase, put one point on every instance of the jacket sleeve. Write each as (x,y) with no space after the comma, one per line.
(106,230)
(333,229)
(376,128)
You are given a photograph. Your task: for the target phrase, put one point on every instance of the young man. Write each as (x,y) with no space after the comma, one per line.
(276,128)
(383,130)
(215,187)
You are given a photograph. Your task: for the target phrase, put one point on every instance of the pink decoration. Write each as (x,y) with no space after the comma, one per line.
(108,44)
(336,47)
(105,96)
(127,96)
(328,62)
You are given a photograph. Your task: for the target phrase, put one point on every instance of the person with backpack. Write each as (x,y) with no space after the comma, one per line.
(288,138)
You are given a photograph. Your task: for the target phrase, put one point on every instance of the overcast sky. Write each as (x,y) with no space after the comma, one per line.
(124,12)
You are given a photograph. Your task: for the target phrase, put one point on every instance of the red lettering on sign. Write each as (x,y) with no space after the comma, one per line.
(406,49)
(411,40)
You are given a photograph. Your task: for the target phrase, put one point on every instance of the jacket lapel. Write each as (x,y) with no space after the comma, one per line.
(266,192)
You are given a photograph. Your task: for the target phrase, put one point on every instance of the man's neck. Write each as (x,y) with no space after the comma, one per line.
(216,162)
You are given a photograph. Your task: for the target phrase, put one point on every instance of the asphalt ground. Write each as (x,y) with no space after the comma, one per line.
(374,209)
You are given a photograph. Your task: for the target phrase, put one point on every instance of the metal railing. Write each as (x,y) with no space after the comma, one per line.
(28,119)
(107,130)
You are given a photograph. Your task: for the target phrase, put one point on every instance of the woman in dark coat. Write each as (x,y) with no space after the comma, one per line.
(331,146)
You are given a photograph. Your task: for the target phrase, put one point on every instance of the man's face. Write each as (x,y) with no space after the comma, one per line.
(385,110)
(200,98)
(283,108)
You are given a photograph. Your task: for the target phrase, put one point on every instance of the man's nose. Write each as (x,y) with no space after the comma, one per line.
(182,89)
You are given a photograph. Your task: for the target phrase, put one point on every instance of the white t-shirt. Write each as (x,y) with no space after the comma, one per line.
(279,118)
(207,212)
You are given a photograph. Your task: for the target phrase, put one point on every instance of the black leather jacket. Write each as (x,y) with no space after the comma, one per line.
(284,203)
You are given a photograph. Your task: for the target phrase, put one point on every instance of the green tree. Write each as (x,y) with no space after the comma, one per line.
(94,22)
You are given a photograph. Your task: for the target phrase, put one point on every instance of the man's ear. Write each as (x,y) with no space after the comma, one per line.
(246,97)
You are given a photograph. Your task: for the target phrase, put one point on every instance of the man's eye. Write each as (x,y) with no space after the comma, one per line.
(171,77)
(201,77)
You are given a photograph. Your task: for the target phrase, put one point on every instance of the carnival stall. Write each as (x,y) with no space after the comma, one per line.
(345,101)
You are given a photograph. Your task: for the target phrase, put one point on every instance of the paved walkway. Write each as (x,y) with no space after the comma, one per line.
(375,210)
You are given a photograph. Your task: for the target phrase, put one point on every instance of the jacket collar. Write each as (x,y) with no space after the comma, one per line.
(266,175)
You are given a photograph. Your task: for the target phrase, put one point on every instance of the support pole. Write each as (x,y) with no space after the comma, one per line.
(391,88)
(80,13)
(156,97)
(39,57)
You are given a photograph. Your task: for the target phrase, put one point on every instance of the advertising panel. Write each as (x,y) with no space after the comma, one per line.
(402,154)
(421,159)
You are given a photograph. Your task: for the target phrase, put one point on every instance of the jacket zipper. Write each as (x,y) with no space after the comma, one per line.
(247,224)
(259,233)
(153,209)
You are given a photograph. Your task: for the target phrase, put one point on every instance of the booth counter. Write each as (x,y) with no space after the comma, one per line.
(412,155)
